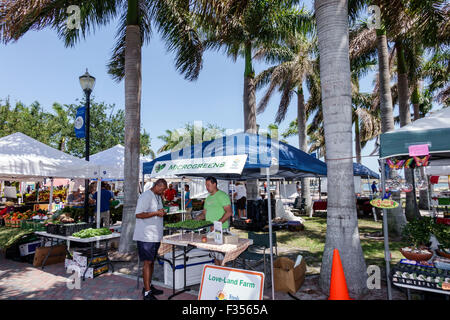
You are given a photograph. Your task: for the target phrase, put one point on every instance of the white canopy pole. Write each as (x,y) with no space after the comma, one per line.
(99,194)
(270,231)
(182,200)
(232,197)
(50,200)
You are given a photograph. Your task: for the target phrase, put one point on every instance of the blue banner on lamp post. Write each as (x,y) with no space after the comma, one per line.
(80,129)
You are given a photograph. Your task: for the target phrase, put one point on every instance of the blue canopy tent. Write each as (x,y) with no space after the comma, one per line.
(266,158)
(262,152)
(363,171)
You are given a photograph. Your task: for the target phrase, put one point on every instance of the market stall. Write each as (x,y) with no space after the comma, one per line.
(421,145)
(25,159)
(265,158)
(115,158)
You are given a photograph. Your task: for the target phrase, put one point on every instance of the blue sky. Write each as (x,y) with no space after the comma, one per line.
(39,68)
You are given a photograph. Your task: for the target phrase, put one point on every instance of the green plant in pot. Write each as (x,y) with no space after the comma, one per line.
(418,232)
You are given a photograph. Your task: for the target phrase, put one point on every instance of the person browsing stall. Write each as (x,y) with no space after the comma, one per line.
(105,198)
(187,201)
(241,197)
(170,193)
(217,207)
(148,233)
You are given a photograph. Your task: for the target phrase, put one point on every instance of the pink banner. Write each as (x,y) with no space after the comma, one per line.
(419,150)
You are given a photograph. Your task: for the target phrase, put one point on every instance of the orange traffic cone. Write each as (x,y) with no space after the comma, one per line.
(338,285)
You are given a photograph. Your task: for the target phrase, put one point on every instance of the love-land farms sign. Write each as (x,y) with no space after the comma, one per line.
(223,164)
(222,283)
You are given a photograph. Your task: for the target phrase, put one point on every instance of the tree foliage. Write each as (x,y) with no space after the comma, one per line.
(56,128)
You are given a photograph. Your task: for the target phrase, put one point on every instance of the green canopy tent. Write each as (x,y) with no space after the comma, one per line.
(433,131)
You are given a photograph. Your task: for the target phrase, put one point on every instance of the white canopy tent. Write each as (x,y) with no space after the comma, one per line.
(115,159)
(23,158)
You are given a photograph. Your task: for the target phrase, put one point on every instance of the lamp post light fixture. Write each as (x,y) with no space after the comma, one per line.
(87,83)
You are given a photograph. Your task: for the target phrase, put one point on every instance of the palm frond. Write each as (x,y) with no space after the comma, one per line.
(177,27)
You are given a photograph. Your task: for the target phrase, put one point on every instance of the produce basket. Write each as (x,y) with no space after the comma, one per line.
(34,225)
(16,223)
(442,253)
(416,256)
(7,223)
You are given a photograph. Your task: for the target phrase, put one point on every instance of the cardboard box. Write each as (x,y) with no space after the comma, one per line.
(69,263)
(230,239)
(91,272)
(57,255)
(83,260)
(287,278)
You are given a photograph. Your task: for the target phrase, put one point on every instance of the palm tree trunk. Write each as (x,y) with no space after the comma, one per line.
(396,218)
(387,118)
(403,98)
(411,208)
(250,110)
(357,140)
(303,145)
(249,92)
(133,84)
(415,100)
(342,223)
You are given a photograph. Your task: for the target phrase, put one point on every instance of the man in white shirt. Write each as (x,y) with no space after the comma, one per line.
(148,233)
(241,198)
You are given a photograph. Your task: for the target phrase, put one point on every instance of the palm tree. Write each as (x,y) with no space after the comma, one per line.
(172,18)
(295,65)
(181,138)
(240,27)
(342,226)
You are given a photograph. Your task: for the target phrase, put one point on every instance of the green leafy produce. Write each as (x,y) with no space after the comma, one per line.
(89,233)
(9,236)
(189,224)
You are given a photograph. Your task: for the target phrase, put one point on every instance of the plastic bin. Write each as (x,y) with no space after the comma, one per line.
(29,248)
(53,228)
(196,260)
(70,228)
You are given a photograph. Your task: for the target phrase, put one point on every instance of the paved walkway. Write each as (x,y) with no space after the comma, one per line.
(19,281)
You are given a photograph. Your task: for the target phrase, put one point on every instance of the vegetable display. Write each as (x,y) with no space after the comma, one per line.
(189,224)
(89,233)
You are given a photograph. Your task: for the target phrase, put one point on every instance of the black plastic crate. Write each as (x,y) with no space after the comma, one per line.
(95,251)
(70,228)
(53,228)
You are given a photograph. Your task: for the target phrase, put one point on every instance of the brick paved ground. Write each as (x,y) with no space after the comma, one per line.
(20,281)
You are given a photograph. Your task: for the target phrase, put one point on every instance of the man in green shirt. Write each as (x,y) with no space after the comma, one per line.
(217,208)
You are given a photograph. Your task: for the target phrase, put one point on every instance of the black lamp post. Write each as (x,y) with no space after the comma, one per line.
(87,83)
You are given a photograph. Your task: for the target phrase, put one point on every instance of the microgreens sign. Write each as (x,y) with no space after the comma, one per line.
(262,149)
(213,165)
